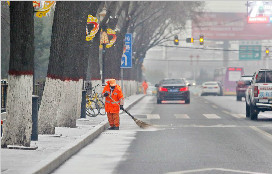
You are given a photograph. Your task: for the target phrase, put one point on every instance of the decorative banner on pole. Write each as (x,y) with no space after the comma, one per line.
(92,33)
(126,61)
(104,38)
(43,7)
(112,41)
(113,34)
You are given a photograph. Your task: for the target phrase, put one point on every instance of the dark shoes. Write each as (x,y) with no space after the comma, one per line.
(113,128)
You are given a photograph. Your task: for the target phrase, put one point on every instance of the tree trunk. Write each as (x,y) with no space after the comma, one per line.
(93,60)
(93,70)
(67,67)
(18,127)
(5,39)
(112,61)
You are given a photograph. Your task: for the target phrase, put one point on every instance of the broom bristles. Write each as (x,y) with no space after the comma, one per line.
(141,124)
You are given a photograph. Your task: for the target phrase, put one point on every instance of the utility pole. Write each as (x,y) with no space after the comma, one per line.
(225,53)
(165,58)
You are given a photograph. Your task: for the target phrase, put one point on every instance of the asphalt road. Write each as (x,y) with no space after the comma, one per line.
(210,135)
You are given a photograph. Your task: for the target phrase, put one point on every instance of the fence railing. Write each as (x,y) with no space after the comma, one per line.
(38,90)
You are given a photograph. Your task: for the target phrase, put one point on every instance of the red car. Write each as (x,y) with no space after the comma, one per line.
(242,86)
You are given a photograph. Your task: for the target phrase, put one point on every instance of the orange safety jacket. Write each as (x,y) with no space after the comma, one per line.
(145,85)
(110,105)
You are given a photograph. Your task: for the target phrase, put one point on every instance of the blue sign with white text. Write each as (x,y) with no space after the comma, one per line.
(126,61)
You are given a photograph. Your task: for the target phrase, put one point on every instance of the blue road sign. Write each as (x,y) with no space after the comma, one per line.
(126,61)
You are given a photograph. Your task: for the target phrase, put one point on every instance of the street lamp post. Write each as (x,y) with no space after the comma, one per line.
(103,42)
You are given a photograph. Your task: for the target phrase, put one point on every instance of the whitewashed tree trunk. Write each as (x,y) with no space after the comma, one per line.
(49,106)
(70,103)
(18,125)
(61,105)
(17,129)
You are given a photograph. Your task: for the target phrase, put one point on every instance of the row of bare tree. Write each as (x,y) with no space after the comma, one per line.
(151,23)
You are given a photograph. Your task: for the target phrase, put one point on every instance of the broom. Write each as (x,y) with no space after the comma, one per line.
(140,123)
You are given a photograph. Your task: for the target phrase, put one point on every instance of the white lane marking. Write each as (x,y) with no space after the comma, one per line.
(206,102)
(268,135)
(226,112)
(214,106)
(213,169)
(183,116)
(238,115)
(211,116)
(152,116)
(203,126)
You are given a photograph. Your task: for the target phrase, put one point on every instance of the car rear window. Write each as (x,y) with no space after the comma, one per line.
(173,81)
(246,78)
(264,77)
(210,83)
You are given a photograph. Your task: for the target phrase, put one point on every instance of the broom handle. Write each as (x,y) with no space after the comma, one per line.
(128,113)
(119,105)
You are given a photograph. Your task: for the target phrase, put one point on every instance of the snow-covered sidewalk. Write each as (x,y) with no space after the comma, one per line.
(53,150)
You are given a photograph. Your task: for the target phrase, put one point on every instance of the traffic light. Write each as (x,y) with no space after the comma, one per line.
(267,51)
(190,40)
(176,40)
(201,39)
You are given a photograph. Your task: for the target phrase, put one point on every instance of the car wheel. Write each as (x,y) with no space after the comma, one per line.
(238,98)
(253,112)
(187,101)
(247,110)
(158,101)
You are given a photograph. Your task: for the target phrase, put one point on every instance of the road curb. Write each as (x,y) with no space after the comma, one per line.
(55,160)
(132,104)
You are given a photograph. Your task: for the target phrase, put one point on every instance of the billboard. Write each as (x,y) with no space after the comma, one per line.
(259,12)
(228,26)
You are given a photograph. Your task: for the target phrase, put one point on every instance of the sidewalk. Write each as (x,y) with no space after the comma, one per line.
(53,150)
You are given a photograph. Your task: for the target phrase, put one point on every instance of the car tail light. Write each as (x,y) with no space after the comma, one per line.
(256,91)
(183,89)
(215,87)
(163,89)
(204,87)
(241,83)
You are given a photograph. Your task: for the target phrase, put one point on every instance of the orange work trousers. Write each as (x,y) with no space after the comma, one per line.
(145,90)
(113,119)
